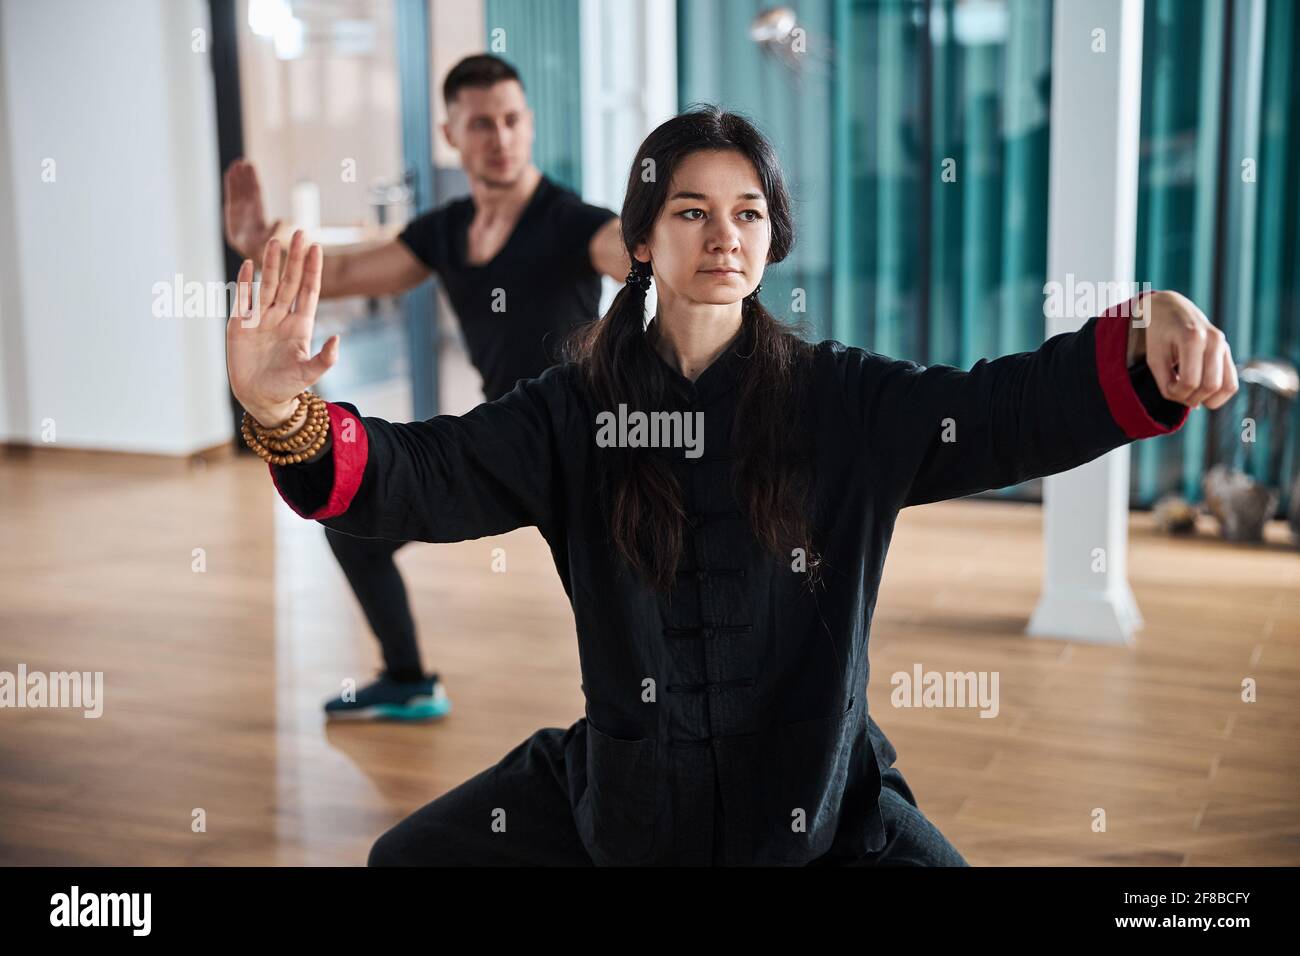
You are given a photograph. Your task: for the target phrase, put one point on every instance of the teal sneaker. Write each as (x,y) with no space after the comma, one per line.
(387,699)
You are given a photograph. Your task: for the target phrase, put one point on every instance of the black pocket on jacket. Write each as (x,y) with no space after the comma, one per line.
(622,791)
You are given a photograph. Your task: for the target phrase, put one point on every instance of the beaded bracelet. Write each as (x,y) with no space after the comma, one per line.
(299,412)
(272,446)
(311,418)
(299,447)
(317,419)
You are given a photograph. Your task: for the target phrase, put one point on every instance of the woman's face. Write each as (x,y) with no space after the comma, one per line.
(709,243)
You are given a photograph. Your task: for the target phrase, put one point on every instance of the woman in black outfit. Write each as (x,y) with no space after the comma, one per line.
(723,594)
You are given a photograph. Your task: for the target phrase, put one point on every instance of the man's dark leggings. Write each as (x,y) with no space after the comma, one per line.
(370,569)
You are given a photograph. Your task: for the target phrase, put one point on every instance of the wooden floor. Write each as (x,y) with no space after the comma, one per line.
(214,681)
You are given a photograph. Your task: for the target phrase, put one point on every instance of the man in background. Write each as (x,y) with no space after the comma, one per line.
(520,259)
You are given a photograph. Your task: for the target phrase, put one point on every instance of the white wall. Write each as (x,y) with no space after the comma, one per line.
(114,94)
(12,387)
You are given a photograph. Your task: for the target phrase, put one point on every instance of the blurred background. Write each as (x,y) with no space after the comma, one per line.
(121,462)
(116,101)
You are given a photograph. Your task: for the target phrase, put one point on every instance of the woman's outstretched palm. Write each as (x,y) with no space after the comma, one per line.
(268,344)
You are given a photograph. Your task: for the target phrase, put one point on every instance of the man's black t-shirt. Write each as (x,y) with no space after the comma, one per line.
(516,310)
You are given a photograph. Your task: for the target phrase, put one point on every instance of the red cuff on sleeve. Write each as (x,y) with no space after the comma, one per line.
(1111,335)
(350,446)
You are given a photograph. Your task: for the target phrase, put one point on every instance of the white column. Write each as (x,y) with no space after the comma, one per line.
(112,192)
(1092,228)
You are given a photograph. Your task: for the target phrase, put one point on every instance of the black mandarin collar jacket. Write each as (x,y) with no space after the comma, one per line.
(742,684)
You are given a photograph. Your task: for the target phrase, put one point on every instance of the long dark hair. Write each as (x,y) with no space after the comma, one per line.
(770,477)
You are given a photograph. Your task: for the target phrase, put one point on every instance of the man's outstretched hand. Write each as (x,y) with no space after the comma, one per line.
(246,229)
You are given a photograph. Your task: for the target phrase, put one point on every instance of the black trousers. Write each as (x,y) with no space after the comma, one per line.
(528,790)
(377,583)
